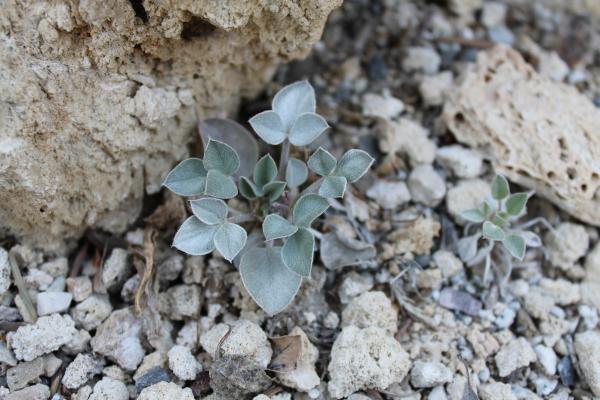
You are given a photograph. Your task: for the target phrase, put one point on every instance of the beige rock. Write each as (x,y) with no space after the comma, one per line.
(518,353)
(466,195)
(496,391)
(303,377)
(371,309)
(587,347)
(566,244)
(408,138)
(416,237)
(98,100)
(582,7)
(539,133)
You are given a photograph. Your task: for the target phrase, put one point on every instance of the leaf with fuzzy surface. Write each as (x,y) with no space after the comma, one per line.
(298,251)
(265,170)
(515,245)
(296,172)
(221,156)
(492,231)
(306,129)
(269,282)
(322,162)
(269,127)
(353,165)
(308,208)
(277,227)
(230,239)
(500,188)
(292,101)
(210,211)
(515,204)
(194,237)
(220,185)
(249,190)
(333,186)
(188,178)
(467,247)
(473,215)
(274,190)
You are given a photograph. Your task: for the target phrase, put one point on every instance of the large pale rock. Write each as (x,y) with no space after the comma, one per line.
(539,133)
(99,99)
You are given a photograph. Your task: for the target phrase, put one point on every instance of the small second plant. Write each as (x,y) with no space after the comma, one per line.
(273,240)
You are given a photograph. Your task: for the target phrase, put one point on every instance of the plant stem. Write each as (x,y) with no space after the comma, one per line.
(18,278)
(283,159)
(237,219)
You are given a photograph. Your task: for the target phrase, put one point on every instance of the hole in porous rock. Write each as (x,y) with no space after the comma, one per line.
(197,27)
(584,188)
(459,117)
(138,8)
(551,175)
(572,173)
(595,176)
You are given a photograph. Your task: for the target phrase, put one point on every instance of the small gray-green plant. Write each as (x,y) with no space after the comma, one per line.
(493,222)
(271,269)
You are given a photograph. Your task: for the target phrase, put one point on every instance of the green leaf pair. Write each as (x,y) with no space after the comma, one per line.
(210,176)
(264,185)
(208,230)
(336,175)
(298,249)
(291,118)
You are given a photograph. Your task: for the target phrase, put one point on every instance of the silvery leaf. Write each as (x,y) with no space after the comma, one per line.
(492,231)
(500,189)
(473,215)
(515,245)
(531,239)
(210,211)
(235,135)
(221,157)
(333,186)
(249,190)
(274,190)
(296,172)
(268,281)
(298,251)
(515,204)
(268,127)
(339,251)
(292,101)
(265,170)
(187,178)
(229,240)
(276,227)
(353,165)
(467,247)
(195,237)
(308,208)
(307,128)
(220,185)
(322,162)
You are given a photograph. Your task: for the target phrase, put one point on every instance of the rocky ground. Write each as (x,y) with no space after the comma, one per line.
(444,95)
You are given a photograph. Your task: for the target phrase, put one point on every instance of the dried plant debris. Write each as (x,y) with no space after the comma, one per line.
(452,269)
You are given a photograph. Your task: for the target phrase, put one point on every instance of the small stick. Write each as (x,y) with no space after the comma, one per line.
(16,272)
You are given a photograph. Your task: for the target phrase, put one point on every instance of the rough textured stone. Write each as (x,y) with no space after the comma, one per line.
(304,376)
(516,354)
(429,374)
(566,244)
(45,336)
(80,370)
(496,391)
(109,389)
(35,392)
(183,364)
(363,359)
(539,133)
(371,309)
(102,95)
(4,271)
(587,347)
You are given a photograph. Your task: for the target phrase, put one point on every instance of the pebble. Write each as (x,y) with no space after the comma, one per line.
(364,359)
(116,268)
(166,390)
(466,195)
(79,343)
(566,371)
(386,107)
(589,316)
(464,7)
(35,392)
(80,287)
(426,186)
(38,279)
(516,354)
(4,271)
(118,338)
(244,338)
(46,335)
(109,389)
(377,69)
(58,267)
(80,370)
(544,385)
(427,374)
(170,269)
(153,376)
(354,284)
(53,302)
(552,66)
(83,393)
(18,377)
(547,358)
(433,88)
(303,377)
(91,312)
(587,348)
(180,302)
(448,263)
(183,364)
(566,244)
(496,391)
(421,59)
(493,13)
(461,161)
(389,194)
(371,309)
(501,34)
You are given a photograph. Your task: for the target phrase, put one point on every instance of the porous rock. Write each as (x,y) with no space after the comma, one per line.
(183,364)
(587,347)
(427,374)
(105,95)
(516,354)
(46,335)
(109,389)
(371,309)
(80,370)
(365,359)
(303,377)
(118,338)
(539,133)
(496,391)
(91,312)
(166,390)
(566,244)
(4,271)
(35,392)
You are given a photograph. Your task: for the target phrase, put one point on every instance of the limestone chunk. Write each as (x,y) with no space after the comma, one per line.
(566,244)
(516,354)
(371,309)
(46,335)
(304,376)
(409,138)
(166,390)
(183,364)
(587,347)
